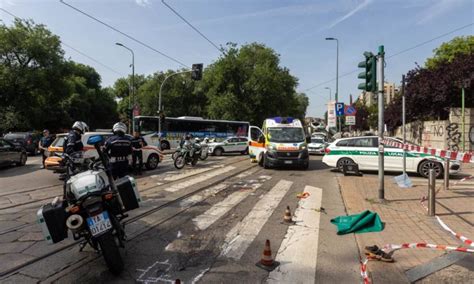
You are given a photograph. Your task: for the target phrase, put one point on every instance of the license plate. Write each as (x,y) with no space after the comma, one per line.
(99,223)
(288,162)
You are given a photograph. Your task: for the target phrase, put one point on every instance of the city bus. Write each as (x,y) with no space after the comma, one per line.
(174,128)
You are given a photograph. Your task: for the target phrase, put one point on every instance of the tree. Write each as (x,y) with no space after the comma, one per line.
(248,84)
(448,51)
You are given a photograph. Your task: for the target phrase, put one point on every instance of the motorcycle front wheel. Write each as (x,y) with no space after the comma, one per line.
(175,155)
(203,155)
(179,162)
(111,253)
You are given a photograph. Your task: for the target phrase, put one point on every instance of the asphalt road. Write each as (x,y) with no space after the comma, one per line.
(213,236)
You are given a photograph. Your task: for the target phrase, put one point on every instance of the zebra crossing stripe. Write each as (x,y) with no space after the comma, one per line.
(298,251)
(242,235)
(199,179)
(216,212)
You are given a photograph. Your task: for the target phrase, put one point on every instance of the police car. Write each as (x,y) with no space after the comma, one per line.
(363,151)
(152,156)
(317,145)
(230,145)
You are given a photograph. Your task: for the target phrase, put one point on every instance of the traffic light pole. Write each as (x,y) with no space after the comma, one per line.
(380,67)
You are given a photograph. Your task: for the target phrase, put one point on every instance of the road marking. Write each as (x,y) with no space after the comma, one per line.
(216,212)
(241,236)
(180,175)
(199,179)
(298,251)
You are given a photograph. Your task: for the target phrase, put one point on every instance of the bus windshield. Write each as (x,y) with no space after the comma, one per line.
(286,134)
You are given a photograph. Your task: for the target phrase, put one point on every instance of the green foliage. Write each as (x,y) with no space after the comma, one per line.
(40,89)
(447,51)
(248,84)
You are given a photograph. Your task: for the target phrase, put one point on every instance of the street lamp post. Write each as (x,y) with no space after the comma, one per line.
(337,73)
(159,98)
(133,82)
(330,93)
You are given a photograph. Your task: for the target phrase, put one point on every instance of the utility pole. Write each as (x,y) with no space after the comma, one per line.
(404,129)
(380,67)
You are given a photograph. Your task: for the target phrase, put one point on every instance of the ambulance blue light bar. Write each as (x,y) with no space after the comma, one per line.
(283,120)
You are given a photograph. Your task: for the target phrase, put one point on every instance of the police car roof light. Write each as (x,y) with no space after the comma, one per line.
(283,120)
(94,139)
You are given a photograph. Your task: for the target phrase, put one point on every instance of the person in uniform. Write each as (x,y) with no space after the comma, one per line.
(119,147)
(137,144)
(44,143)
(73,142)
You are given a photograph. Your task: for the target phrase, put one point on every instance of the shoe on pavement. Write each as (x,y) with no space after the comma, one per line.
(376,253)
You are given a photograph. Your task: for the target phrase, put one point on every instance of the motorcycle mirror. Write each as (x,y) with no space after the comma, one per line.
(93,140)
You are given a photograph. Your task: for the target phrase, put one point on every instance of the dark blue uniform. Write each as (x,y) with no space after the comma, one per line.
(72,143)
(118,147)
(45,142)
(137,144)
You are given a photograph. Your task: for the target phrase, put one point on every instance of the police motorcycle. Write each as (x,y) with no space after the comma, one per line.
(93,207)
(189,154)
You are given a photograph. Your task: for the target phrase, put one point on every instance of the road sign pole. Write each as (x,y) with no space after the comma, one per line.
(404,129)
(380,67)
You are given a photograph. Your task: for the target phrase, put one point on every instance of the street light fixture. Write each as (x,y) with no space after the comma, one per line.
(330,93)
(337,73)
(133,81)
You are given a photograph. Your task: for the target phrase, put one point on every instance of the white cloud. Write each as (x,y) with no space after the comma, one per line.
(438,8)
(349,14)
(143,3)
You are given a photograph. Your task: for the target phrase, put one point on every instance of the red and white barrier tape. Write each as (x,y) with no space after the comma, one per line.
(459,236)
(392,247)
(363,271)
(452,155)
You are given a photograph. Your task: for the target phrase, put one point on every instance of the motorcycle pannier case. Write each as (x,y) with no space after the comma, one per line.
(52,220)
(128,190)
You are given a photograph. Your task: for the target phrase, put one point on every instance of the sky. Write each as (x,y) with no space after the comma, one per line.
(296,30)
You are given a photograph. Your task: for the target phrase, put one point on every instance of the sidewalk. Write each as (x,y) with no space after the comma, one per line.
(406,221)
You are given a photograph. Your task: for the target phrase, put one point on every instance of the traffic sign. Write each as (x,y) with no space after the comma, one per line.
(339,109)
(350,110)
(350,120)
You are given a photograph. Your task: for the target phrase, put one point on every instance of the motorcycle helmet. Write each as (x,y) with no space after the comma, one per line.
(79,126)
(85,126)
(188,137)
(119,127)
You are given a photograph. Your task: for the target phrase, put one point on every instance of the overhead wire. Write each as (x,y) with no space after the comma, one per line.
(193,27)
(125,34)
(396,54)
(73,48)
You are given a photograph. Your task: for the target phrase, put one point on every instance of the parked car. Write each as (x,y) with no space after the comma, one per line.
(363,151)
(12,154)
(230,145)
(28,140)
(317,146)
(152,156)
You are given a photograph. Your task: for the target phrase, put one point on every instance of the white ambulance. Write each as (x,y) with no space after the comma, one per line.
(280,142)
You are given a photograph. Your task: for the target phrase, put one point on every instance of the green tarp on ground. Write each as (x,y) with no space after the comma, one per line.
(359,223)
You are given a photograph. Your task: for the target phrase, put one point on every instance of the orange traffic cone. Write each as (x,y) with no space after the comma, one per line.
(287,217)
(267,262)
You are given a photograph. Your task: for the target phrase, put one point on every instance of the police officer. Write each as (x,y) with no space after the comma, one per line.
(44,143)
(73,142)
(118,147)
(137,144)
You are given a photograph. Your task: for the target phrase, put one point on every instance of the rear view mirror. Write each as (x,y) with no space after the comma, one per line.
(96,139)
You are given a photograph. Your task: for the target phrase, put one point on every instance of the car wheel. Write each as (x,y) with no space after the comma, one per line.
(22,161)
(218,152)
(344,161)
(427,165)
(152,162)
(165,145)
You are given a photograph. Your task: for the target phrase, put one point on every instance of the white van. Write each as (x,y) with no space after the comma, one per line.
(363,151)
(281,141)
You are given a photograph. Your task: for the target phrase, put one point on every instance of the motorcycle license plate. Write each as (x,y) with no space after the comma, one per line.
(99,223)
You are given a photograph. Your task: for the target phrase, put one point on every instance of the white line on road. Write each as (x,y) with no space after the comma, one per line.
(199,179)
(241,236)
(214,213)
(299,249)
